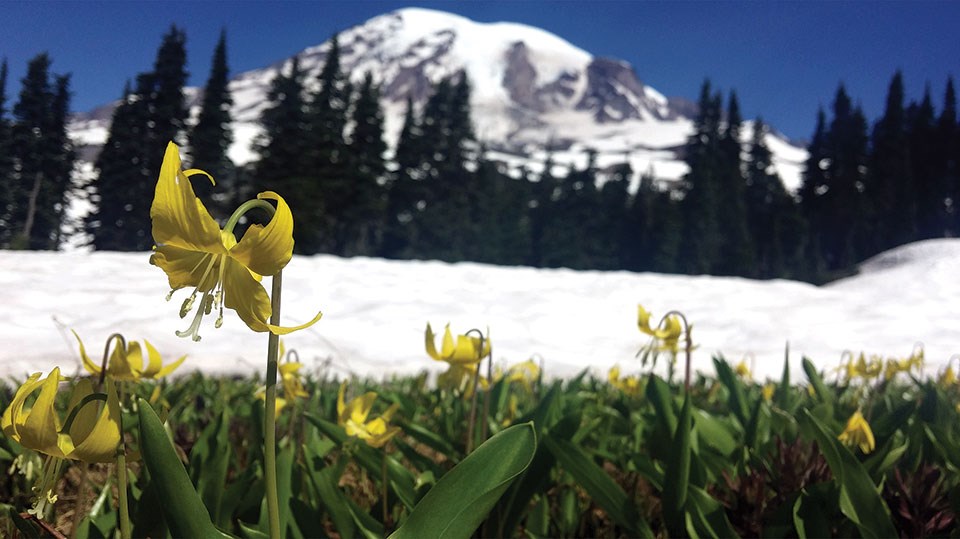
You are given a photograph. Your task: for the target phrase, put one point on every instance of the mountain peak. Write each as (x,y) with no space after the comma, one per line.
(532,93)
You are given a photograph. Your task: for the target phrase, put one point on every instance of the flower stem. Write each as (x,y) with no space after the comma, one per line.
(270,414)
(125,532)
(384,491)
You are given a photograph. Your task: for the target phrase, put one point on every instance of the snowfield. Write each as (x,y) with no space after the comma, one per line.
(375,312)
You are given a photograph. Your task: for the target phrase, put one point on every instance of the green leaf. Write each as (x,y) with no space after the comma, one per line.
(820,389)
(677,475)
(737,399)
(859,499)
(209,461)
(181,506)
(401,478)
(810,513)
(714,432)
(782,394)
(658,393)
(461,499)
(598,484)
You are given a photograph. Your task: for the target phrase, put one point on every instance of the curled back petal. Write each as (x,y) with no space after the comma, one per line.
(178,216)
(100,444)
(429,339)
(41,425)
(359,408)
(14,416)
(88,364)
(86,417)
(447,347)
(155,368)
(125,364)
(266,250)
(643,320)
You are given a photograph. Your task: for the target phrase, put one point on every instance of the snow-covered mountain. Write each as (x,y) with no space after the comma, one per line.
(532,92)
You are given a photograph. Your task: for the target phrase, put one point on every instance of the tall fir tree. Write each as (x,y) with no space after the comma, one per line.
(736,256)
(570,239)
(7,184)
(543,193)
(406,196)
(123,189)
(328,188)
(812,189)
(211,137)
(282,149)
(702,240)
(846,232)
(768,208)
(638,242)
(360,227)
(608,236)
(43,157)
(889,187)
(948,163)
(927,193)
(129,162)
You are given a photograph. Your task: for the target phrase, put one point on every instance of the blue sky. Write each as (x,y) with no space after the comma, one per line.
(785,59)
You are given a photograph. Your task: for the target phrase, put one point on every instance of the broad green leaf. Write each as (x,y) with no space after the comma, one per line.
(677,475)
(461,499)
(810,516)
(714,432)
(860,500)
(658,393)
(782,394)
(182,507)
(599,486)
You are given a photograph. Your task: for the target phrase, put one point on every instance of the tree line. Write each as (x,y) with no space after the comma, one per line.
(438,197)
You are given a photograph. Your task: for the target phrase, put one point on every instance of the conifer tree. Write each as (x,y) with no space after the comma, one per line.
(571,240)
(168,109)
(845,230)
(768,204)
(501,223)
(43,157)
(129,162)
(927,194)
(211,137)
(360,226)
(812,201)
(405,194)
(608,236)
(736,256)
(123,189)
(890,184)
(947,157)
(702,241)
(639,244)
(7,185)
(282,149)
(328,185)
(542,195)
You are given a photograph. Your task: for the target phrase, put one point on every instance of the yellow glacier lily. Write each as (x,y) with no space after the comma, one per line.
(91,436)
(194,252)
(127,364)
(352,416)
(466,349)
(858,433)
(667,334)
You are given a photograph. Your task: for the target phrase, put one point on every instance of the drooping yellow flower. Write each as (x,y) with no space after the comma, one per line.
(948,377)
(861,368)
(666,335)
(768,390)
(290,380)
(352,416)
(89,436)
(743,370)
(194,252)
(127,364)
(630,385)
(857,433)
(525,374)
(466,349)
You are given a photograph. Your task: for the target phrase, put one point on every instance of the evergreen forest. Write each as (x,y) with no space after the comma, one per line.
(867,186)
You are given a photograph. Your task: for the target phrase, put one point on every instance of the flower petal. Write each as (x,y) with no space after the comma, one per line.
(13,416)
(429,338)
(155,368)
(359,408)
(244,294)
(186,268)
(88,364)
(40,427)
(266,250)
(179,218)
(100,445)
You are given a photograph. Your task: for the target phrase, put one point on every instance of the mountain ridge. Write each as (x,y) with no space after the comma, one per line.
(534,94)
